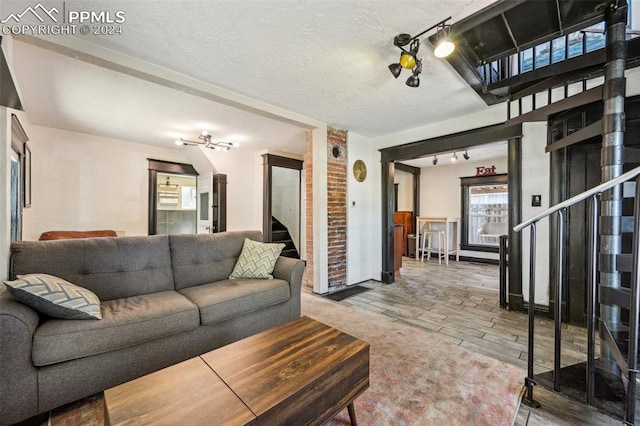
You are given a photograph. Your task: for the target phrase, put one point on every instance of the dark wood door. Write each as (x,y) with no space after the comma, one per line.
(583,173)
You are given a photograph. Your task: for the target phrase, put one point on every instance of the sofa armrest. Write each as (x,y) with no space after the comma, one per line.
(291,270)
(19,384)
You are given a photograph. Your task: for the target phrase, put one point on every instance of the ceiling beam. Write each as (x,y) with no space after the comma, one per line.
(452,142)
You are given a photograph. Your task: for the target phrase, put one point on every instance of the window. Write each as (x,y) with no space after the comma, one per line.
(189,197)
(485,212)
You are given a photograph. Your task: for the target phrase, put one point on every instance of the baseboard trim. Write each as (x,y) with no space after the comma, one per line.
(516,303)
(480,260)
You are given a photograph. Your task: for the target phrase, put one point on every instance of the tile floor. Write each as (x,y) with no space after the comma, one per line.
(459,303)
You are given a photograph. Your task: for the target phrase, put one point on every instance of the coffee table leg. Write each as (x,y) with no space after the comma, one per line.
(352,414)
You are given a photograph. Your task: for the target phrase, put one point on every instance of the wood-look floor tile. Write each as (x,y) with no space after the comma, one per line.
(458,303)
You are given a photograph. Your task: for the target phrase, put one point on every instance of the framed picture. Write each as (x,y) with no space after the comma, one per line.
(26,202)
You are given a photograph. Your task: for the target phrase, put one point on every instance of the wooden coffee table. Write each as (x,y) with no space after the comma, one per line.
(303,372)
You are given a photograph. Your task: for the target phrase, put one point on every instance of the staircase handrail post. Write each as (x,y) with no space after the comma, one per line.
(557,346)
(503,270)
(529,380)
(592,277)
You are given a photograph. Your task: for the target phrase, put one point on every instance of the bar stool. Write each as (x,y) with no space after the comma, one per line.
(428,233)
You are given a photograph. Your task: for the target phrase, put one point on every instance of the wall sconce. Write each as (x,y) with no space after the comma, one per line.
(455,157)
(465,155)
(435,160)
(409,58)
(205,139)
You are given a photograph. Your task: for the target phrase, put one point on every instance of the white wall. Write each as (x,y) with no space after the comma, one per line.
(440,190)
(243,167)
(364,210)
(82,182)
(492,115)
(405,190)
(535,180)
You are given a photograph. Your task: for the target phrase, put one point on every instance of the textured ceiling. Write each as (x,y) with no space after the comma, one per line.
(326,60)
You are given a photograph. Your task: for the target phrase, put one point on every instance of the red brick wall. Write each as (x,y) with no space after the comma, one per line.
(307,279)
(337,208)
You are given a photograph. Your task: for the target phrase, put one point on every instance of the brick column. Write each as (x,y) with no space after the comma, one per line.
(337,207)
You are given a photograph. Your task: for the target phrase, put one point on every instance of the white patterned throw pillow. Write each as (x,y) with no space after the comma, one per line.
(55,297)
(256,260)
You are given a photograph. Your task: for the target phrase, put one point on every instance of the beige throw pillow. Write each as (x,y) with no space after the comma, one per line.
(256,260)
(55,297)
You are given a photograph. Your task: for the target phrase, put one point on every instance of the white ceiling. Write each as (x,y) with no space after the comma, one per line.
(326,60)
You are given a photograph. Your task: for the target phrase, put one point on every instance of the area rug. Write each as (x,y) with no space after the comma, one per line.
(415,378)
(418,379)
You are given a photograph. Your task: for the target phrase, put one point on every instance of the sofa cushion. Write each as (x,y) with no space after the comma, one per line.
(206,258)
(226,299)
(125,322)
(55,297)
(112,268)
(256,260)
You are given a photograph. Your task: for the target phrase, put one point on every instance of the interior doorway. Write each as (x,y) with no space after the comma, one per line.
(454,145)
(20,195)
(172,198)
(282,203)
(176,206)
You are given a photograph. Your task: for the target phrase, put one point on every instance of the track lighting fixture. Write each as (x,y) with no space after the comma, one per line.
(205,139)
(409,58)
(435,160)
(465,155)
(455,157)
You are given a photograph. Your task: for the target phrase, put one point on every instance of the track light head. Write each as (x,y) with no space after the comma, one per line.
(444,46)
(435,160)
(413,81)
(455,157)
(395,69)
(465,155)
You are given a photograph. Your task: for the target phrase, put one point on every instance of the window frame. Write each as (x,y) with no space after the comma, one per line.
(465,183)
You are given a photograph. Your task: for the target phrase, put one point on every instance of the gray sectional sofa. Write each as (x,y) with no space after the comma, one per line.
(164,299)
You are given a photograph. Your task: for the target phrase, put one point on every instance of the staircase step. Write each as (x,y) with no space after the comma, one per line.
(614,296)
(592,130)
(624,262)
(290,253)
(610,395)
(280,235)
(631,155)
(618,343)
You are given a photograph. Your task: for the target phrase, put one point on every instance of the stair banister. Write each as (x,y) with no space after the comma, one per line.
(560,208)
